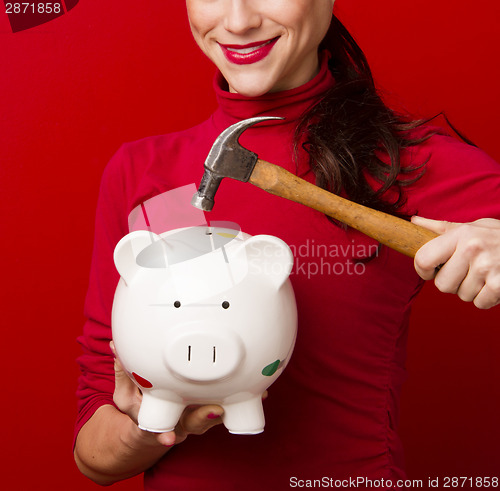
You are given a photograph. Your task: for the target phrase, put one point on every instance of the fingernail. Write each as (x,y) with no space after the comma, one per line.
(170,445)
(212,416)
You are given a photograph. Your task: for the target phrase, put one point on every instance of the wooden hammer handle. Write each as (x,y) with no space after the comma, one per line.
(396,233)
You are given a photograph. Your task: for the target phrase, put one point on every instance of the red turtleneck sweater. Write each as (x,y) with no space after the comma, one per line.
(334,411)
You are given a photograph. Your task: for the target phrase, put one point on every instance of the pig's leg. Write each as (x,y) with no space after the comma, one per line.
(245,417)
(158,415)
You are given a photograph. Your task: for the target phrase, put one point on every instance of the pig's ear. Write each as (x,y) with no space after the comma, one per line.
(269,256)
(129,248)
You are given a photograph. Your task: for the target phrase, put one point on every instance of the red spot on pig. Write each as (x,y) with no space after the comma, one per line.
(142,381)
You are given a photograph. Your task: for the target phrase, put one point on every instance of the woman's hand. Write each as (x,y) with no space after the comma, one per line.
(195,420)
(111,447)
(464,259)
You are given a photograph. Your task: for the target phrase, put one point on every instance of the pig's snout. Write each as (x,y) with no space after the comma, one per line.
(204,355)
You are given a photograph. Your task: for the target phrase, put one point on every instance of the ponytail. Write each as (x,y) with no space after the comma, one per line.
(350,129)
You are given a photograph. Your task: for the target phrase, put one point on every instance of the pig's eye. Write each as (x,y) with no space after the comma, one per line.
(177,304)
(225,304)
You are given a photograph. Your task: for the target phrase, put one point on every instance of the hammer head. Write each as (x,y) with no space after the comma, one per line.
(227,158)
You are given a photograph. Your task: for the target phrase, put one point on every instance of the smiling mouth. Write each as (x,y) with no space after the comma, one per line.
(244,54)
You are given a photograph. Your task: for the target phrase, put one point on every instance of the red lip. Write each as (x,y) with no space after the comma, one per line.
(248,58)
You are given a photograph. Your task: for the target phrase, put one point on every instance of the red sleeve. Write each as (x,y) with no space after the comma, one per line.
(96,382)
(461,183)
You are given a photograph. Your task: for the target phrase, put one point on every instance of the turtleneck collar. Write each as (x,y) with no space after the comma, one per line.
(288,104)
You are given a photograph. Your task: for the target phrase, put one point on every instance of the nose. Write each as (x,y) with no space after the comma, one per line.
(242,16)
(201,355)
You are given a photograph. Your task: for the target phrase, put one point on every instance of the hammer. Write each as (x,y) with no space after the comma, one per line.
(228,158)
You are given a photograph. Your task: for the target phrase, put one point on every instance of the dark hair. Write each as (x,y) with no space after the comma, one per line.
(350,128)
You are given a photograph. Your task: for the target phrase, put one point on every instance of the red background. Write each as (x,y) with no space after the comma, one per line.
(73,89)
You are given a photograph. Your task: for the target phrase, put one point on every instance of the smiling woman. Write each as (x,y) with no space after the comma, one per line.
(335,409)
(261,46)
(247,54)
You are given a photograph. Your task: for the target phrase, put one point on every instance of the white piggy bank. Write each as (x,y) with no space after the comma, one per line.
(203,316)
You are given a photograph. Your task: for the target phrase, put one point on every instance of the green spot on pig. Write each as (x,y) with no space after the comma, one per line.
(271,369)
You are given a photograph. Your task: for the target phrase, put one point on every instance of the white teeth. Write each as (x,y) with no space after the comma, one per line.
(245,51)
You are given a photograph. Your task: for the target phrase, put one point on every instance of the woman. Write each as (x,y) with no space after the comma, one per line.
(334,411)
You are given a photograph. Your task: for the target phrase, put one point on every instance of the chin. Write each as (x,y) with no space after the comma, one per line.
(252,92)
(250,87)
(250,82)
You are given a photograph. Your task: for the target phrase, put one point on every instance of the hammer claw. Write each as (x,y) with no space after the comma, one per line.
(227,158)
